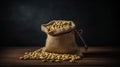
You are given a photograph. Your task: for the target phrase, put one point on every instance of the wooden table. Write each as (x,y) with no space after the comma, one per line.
(95,56)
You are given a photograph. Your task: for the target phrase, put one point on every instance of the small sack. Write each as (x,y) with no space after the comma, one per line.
(60,37)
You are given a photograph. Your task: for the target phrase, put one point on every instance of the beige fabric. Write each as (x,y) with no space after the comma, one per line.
(60,40)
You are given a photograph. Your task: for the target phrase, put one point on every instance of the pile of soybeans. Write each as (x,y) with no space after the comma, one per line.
(50,57)
(58,24)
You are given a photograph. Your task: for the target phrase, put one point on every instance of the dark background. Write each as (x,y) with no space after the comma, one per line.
(20,20)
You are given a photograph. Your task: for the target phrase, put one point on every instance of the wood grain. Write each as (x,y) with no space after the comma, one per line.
(94,56)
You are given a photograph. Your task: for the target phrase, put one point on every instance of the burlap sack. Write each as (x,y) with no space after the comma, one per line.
(60,40)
